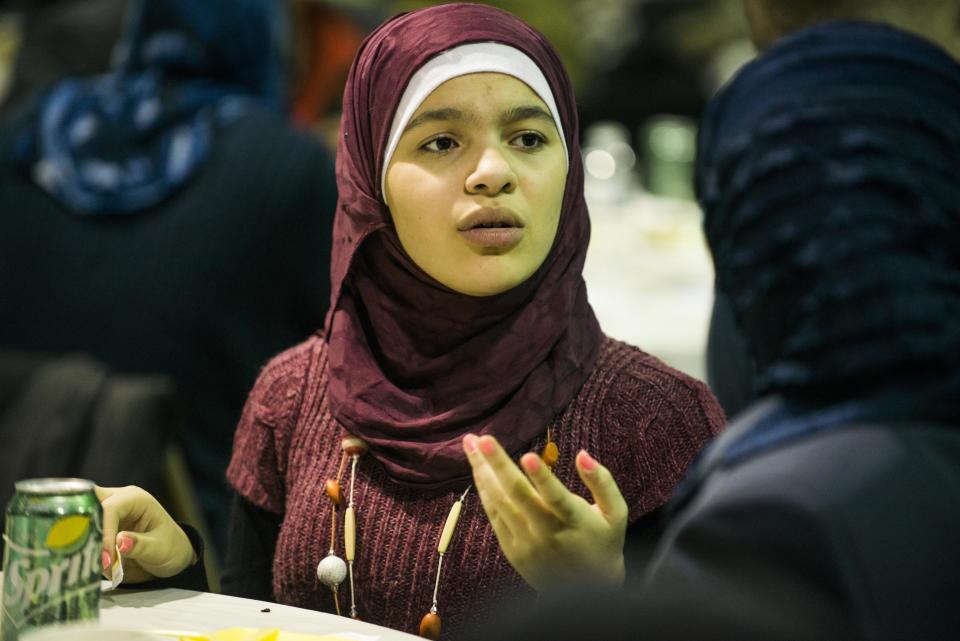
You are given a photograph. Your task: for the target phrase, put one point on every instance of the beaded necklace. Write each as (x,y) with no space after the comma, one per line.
(332,570)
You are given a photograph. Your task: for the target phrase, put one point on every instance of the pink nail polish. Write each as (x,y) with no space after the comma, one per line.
(531,463)
(126,544)
(105,559)
(587,462)
(470,443)
(487,446)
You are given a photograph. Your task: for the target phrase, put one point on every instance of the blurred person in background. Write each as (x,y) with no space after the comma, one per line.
(163,216)
(665,58)
(326,36)
(53,39)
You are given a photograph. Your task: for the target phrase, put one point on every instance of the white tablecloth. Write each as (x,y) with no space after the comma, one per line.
(187,611)
(205,612)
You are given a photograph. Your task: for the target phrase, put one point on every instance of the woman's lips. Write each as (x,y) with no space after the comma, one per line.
(495,228)
(492,237)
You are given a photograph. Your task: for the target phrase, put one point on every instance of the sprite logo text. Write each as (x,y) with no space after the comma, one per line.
(66,565)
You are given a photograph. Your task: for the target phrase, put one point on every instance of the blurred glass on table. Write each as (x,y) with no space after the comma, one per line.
(648,273)
(668,145)
(609,162)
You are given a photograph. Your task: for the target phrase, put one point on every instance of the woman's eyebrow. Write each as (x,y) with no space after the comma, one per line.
(434,115)
(447,114)
(525,112)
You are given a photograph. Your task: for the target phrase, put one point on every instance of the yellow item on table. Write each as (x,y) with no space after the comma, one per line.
(257,634)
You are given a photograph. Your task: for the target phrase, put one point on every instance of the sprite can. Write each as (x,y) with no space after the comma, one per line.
(51,559)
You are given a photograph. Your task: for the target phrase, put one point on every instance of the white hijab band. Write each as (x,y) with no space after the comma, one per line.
(480,57)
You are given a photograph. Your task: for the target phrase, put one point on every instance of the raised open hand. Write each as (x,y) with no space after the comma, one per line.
(549,534)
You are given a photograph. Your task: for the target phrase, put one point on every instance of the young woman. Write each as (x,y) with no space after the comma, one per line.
(459,335)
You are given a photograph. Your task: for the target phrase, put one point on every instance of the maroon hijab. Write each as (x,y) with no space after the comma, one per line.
(414,366)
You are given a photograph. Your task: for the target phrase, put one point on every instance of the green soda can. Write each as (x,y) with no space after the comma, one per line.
(51,558)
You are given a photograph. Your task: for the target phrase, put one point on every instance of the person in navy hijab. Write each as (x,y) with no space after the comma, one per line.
(827,171)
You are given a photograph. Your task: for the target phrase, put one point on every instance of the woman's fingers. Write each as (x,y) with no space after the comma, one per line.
(152,550)
(604,489)
(545,531)
(502,518)
(564,503)
(124,509)
(114,510)
(145,534)
(535,510)
(508,476)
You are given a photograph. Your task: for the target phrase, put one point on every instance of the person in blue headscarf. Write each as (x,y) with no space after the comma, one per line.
(124,141)
(164,216)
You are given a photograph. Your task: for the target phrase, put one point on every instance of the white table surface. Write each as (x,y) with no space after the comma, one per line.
(206,612)
(190,611)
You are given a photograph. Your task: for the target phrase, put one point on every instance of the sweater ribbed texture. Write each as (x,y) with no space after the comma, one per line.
(640,418)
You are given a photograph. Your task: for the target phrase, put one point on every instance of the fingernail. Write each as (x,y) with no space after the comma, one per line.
(530,462)
(126,544)
(105,559)
(470,443)
(587,462)
(487,446)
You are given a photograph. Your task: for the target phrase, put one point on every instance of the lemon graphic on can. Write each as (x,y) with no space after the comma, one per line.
(68,533)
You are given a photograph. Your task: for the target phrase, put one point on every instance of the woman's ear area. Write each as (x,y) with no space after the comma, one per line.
(385,196)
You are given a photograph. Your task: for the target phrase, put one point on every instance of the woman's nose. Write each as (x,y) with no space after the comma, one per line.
(492,174)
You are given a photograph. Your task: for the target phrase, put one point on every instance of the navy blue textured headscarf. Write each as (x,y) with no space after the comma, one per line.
(122,142)
(829,174)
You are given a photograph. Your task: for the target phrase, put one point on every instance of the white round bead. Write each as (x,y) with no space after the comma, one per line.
(332,570)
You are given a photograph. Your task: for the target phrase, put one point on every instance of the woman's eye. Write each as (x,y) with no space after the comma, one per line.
(529,140)
(441,144)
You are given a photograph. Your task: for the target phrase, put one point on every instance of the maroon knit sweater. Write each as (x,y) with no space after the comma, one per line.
(637,416)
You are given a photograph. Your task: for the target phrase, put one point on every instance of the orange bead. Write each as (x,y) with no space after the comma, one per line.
(333,491)
(430,626)
(353,445)
(550,454)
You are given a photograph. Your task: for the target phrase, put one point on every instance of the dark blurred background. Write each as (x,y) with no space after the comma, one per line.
(629,59)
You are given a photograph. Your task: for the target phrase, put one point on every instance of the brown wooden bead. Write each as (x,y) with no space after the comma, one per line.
(430,626)
(353,445)
(333,491)
(550,454)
